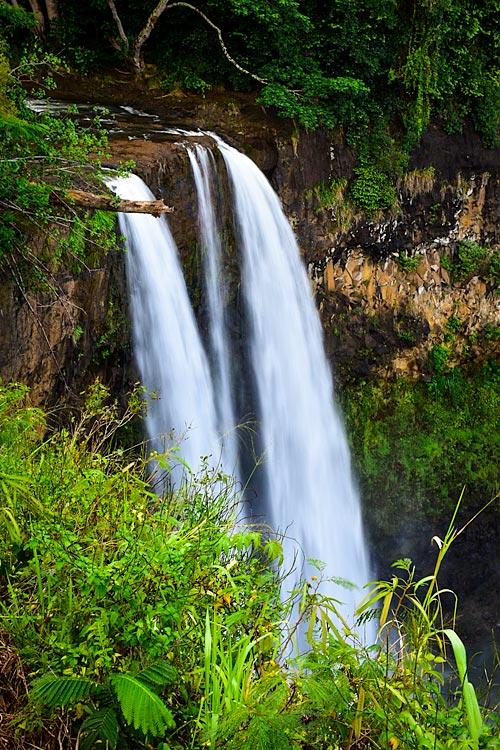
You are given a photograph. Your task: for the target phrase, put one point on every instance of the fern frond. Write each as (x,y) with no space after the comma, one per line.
(321,691)
(61,691)
(157,676)
(266,733)
(100,729)
(21,129)
(140,706)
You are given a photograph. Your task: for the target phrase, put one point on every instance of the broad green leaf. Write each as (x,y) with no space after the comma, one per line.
(100,729)
(141,707)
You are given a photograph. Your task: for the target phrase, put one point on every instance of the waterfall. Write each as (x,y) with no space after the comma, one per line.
(205,177)
(310,492)
(170,356)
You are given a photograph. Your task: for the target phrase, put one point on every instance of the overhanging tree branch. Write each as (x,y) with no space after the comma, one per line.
(221,40)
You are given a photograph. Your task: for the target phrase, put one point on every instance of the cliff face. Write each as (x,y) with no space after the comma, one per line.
(387,286)
(58,341)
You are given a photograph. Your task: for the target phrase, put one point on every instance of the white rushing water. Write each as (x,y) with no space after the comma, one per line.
(167,346)
(310,491)
(205,177)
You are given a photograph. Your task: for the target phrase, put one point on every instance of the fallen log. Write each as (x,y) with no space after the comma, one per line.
(110,203)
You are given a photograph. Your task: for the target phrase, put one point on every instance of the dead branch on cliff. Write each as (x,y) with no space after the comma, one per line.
(84,199)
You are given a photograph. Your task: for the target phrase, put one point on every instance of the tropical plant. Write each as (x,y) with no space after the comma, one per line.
(125,699)
(141,619)
(41,157)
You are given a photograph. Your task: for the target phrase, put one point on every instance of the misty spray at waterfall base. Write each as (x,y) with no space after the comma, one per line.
(306,487)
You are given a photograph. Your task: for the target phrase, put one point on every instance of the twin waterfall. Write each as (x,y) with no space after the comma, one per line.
(303,485)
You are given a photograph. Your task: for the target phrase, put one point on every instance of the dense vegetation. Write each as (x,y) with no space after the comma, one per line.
(380,70)
(346,62)
(131,621)
(415,443)
(137,621)
(40,158)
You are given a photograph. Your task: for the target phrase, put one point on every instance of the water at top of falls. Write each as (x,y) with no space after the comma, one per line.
(311,495)
(167,346)
(205,177)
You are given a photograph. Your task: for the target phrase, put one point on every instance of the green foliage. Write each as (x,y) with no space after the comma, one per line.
(38,153)
(141,706)
(408,263)
(469,257)
(472,259)
(415,442)
(15,25)
(346,63)
(372,190)
(493,272)
(125,698)
(105,582)
(152,621)
(471,705)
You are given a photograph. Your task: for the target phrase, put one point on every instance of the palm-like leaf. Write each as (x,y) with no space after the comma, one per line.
(141,706)
(62,691)
(157,676)
(100,729)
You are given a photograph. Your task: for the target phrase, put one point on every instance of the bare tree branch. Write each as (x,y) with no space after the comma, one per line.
(109,203)
(221,41)
(153,18)
(118,22)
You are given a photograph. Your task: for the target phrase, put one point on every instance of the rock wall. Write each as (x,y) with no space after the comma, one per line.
(382,283)
(58,341)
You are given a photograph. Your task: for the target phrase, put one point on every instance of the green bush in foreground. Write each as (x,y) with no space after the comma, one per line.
(147,622)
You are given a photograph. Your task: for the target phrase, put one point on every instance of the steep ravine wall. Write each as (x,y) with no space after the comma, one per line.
(58,341)
(383,284)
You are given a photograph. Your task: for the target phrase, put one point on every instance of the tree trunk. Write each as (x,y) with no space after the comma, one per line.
(52,10)
(145,34)
(108,203)
(40,19)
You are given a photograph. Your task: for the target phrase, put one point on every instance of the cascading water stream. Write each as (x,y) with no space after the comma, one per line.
(310,491)
(205,177)
(169,353)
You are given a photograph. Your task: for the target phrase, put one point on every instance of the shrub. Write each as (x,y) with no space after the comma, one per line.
(372,190)
(154,621)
